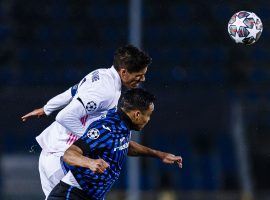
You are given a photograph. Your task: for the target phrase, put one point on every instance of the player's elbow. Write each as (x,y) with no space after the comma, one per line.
(131,149)
(68,157)
(63,119)
(64,116)
(59,117)
(72,154)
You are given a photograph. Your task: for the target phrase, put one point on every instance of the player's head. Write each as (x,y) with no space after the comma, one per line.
(131,64)
(138,104)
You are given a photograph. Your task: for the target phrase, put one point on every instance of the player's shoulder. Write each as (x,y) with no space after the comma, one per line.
(109,121)
(100,74)
(104,123)
(99,81)
(98,129)
(101,77)
(106,76)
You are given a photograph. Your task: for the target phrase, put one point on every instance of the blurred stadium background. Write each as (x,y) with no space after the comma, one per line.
(213,95)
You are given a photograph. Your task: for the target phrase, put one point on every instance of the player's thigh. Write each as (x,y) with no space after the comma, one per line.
(49,163)
(50,171)
(44,179)
(56,177)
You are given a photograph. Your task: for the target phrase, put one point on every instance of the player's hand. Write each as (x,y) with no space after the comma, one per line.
(35,113)
(171,159)
(98,166)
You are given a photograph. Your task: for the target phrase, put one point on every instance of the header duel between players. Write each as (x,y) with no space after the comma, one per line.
(85,103)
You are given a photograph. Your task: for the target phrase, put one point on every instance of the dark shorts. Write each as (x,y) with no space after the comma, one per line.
(63,191)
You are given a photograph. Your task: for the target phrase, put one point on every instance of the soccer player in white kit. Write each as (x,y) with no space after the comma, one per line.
(86,102)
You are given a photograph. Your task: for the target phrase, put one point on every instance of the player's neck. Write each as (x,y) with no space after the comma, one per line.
(127,118)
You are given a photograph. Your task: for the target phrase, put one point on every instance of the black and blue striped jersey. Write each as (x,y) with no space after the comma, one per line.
(107,139)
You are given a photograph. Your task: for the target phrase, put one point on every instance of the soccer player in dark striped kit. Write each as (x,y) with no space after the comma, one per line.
(96,159)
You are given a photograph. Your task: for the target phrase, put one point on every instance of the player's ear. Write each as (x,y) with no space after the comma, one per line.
(137,114)
(123,72)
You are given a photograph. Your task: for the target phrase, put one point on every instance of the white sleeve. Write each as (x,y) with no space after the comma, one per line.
(70,117)
(90,103)
(60,101)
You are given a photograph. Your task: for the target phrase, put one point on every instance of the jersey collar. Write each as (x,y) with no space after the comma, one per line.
(116,78)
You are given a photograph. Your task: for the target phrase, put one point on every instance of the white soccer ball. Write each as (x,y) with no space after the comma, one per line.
(245,27)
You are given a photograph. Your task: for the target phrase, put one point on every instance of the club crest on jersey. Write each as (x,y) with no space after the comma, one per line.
(93,133)
(91,106)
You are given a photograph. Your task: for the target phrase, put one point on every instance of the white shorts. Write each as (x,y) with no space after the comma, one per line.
(50,170)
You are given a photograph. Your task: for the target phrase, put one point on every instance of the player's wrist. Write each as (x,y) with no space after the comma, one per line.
(161,155)
(46,111)
(89,163)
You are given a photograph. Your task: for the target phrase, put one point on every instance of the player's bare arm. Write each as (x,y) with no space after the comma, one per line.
(35,113)
(136,149)
(56,103)
(74,157)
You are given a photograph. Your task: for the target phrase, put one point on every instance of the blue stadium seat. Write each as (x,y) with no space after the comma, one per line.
(5,74)
(26,55)
(4,32)
(222,12)
(226,151)
(44,33)
(59,11)
(259,75)
(196,34)
(217,55)
(260,54)
(181,13)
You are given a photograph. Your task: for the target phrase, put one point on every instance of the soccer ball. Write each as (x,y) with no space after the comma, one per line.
(245,27)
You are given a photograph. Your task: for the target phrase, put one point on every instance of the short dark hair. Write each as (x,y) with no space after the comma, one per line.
(137,98)
(131,58)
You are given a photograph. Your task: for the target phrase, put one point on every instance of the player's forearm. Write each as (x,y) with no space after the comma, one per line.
(136,149)
(74,157)
(58,102)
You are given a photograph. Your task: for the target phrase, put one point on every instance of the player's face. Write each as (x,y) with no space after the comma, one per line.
(142,118)
(132,80)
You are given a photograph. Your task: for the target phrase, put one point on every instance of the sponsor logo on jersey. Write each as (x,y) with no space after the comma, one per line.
(122,139)
(93,133)
(122,147)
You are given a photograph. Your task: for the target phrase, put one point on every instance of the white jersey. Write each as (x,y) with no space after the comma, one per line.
(98,92)
(60,101)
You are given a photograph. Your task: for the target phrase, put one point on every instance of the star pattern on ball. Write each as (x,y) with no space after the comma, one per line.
(245,27)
